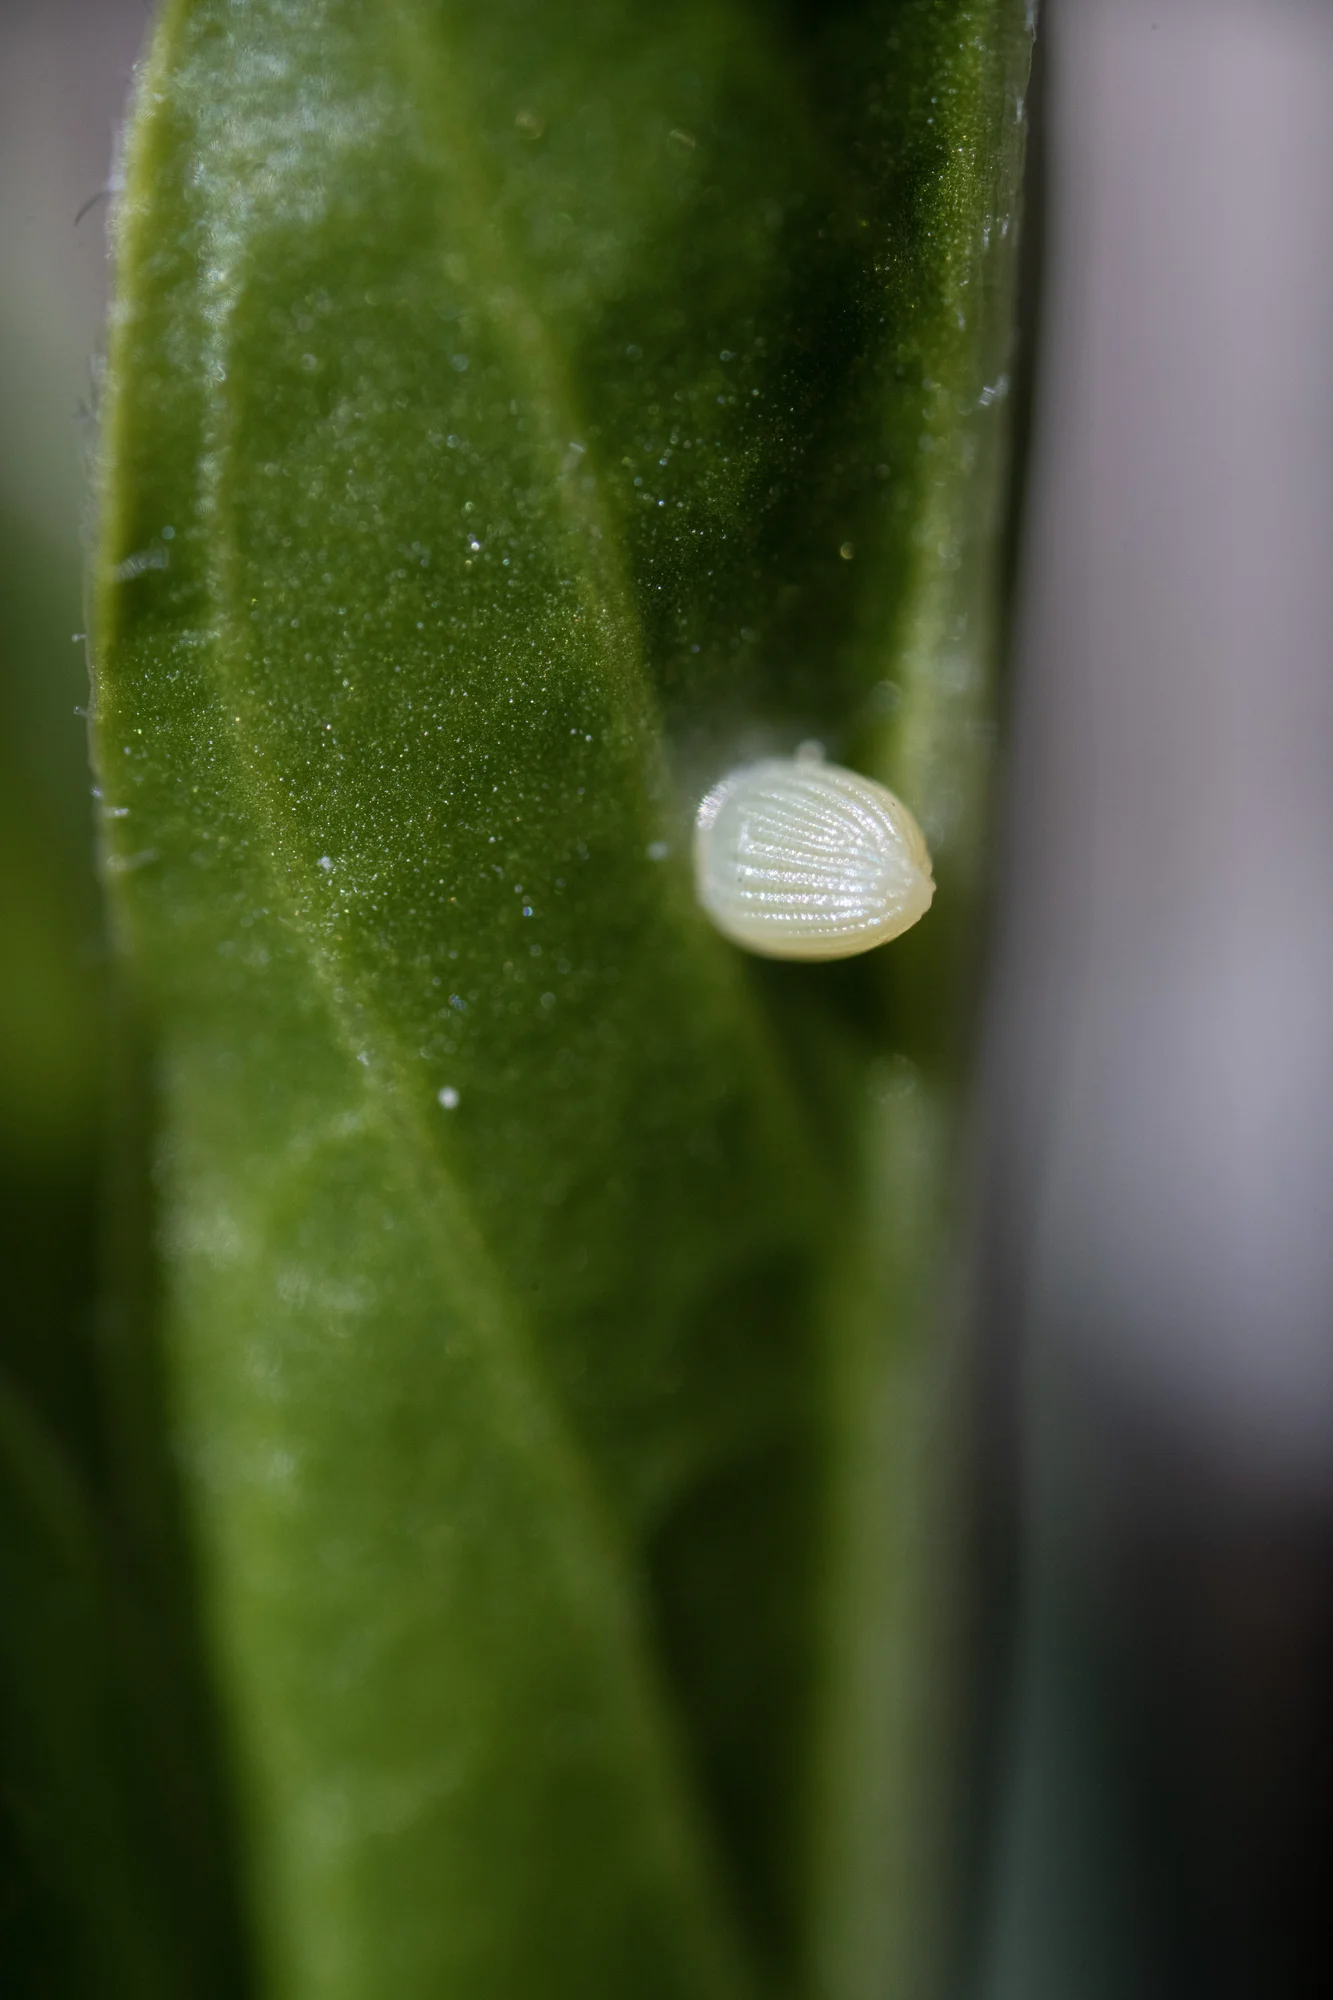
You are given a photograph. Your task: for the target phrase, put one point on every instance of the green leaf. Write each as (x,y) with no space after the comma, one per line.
(516,416)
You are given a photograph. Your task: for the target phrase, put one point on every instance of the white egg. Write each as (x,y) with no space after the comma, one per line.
(796,858)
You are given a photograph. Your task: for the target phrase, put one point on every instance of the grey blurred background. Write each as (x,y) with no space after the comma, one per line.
(1154,1796)
(1158,1256)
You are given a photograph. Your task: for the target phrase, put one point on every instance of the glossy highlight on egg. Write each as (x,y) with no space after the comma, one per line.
(797,858)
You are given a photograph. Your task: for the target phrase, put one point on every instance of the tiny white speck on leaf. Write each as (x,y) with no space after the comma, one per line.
(448,1097)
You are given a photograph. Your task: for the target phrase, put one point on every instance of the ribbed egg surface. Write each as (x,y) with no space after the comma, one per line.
(795,858)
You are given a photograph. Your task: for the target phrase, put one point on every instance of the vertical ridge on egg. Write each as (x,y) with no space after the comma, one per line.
(796,858)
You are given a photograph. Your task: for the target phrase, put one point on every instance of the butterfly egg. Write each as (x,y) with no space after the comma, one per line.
(795,858)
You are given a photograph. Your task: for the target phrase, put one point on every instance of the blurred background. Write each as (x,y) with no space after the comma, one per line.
(64,71)
(1154,1799)
(1157,1261)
